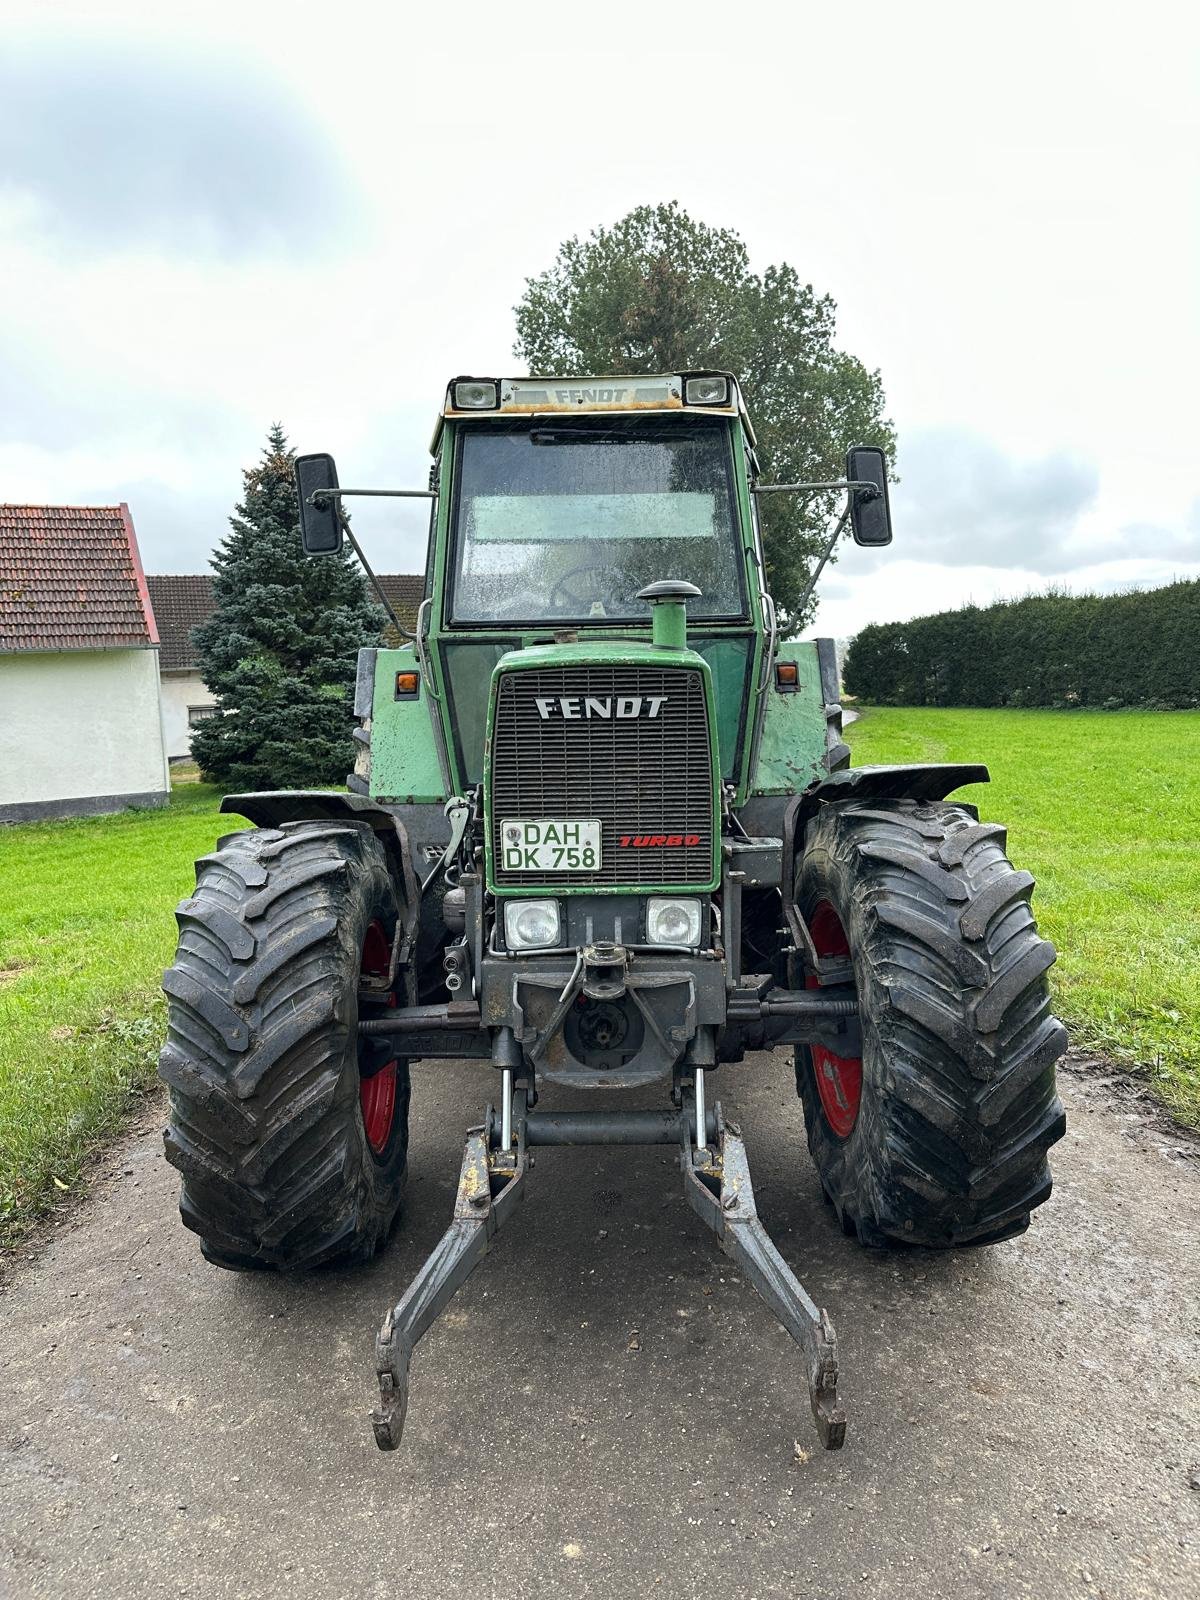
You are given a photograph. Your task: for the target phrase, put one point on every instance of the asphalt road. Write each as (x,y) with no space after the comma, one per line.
(606,1409)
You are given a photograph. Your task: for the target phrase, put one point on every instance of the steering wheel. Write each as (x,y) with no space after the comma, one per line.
(576,591)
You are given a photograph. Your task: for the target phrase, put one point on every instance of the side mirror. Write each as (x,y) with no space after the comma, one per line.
(870,512)
(320,518)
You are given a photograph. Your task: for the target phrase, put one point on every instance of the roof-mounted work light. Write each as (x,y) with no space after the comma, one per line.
(710,389)
(475,394)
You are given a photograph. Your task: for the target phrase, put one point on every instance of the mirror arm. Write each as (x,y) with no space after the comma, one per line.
(374,581)
(859,489)
(320,499)
(870,491)
(825,555)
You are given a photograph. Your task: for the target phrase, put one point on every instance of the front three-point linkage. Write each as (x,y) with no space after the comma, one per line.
(717,1182)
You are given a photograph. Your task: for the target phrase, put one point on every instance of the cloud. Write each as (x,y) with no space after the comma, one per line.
(973,523)
(112,147)
(180,508)
(1155,541)
(961,501)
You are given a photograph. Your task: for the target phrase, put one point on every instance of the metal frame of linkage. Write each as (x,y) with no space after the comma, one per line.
(489,1186)
(717,1183)
(492,1181)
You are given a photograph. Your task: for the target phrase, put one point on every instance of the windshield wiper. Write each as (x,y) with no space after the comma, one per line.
(567,435)
(639,435)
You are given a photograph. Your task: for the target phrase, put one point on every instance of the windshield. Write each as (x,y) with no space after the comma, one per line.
(566,523)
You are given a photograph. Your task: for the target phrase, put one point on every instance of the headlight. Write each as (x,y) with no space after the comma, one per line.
(710,391)
(673,921)
(475,394)
(530,924)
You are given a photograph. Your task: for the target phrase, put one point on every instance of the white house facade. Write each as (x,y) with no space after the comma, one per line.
(80,724)
(180,602)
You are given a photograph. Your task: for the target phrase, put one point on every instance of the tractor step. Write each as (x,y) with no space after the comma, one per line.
(492,1181)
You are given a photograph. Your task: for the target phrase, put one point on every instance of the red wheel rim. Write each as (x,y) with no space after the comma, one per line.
(377,1093)
(839,1078)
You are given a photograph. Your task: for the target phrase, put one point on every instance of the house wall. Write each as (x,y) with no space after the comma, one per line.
(182,692)
(80,732)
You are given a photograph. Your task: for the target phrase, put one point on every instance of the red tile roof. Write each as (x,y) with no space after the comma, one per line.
(181,600)
(71,579)
(404,591)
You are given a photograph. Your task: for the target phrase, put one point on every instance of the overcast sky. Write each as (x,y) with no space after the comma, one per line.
(217,215)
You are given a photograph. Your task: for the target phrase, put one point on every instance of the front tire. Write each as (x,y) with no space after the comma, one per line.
(937,1134)
(291,1135)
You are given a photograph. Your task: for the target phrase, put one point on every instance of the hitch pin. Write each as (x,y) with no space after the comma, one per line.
(701,1114)
(506,1091)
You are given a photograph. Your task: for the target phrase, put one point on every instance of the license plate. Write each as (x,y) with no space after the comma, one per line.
(549,845)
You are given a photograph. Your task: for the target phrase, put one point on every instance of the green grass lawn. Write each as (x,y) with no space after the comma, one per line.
(86,928)
(1104,809)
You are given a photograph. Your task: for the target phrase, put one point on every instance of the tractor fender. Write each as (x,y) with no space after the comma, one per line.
(271,808)
(918,781)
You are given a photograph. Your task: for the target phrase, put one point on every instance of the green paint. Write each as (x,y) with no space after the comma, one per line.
(792,752)
(468,670)
(727,658)
(751,699)
(668,624)
(404,763)
(620,651)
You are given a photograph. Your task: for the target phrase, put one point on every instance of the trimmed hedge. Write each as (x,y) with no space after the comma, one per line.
(1103,651)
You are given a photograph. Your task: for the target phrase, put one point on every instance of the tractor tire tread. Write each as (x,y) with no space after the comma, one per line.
(261,1056)
(959,1103)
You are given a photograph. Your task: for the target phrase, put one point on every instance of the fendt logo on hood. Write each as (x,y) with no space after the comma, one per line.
(583,707)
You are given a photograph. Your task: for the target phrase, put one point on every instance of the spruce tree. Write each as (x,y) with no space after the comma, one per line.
(279,651)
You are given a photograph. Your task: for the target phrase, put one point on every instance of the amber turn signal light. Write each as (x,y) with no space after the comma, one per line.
(407,685)
(787,676)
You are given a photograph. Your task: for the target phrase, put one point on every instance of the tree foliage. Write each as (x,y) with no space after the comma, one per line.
(1102,651)
(660,292)
(279,651)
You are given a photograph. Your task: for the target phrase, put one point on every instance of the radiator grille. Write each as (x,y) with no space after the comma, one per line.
(641,776)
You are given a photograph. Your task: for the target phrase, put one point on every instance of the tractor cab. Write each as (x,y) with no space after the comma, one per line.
(561,501)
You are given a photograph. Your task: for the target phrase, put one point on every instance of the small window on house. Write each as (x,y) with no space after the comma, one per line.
(199,714)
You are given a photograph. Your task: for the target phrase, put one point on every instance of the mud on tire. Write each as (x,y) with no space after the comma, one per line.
(262,1055)
(958,1105)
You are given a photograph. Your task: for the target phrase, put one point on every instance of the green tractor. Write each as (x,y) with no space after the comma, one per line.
(603,831)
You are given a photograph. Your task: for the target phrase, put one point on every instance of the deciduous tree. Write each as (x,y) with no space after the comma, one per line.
(661,292)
